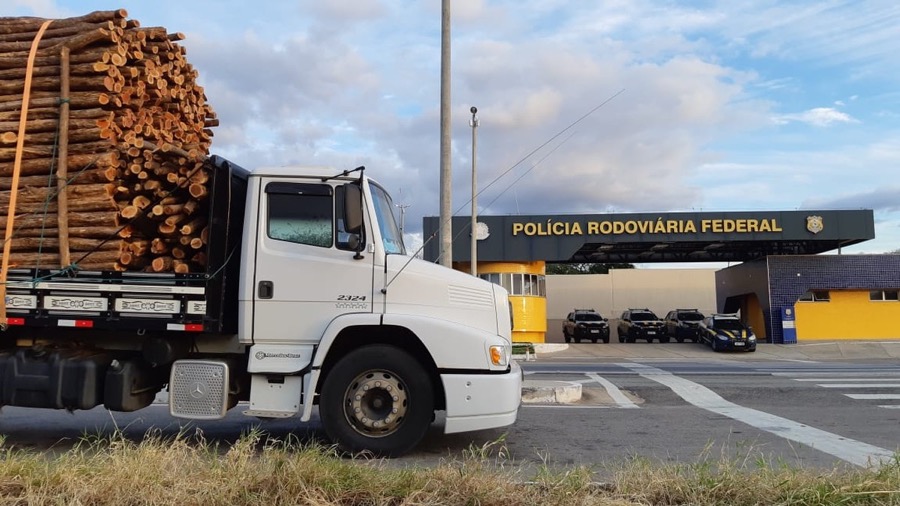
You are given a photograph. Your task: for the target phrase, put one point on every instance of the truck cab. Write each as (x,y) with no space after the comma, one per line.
(310,299)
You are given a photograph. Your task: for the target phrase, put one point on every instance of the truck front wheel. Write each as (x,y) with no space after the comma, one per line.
(378,399)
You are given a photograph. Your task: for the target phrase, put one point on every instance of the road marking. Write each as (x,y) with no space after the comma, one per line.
(849,450)
(615,394)
(878,373)
(860,385)
(840,379)
(882,397)
(565,406)
(890,406)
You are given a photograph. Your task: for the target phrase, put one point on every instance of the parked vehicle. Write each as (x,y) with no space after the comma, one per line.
(683,324)
(726,332)
(585,324)
(309,298)
(640,324)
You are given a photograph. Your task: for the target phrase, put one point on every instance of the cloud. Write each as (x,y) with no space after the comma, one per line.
(819,116)
(883,199)
(350,83)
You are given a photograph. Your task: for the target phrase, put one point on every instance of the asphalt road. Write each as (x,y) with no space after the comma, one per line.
(688,408)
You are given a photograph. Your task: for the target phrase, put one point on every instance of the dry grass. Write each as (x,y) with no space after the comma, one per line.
(258,471)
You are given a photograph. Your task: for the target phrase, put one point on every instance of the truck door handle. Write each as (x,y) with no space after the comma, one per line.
(266,290)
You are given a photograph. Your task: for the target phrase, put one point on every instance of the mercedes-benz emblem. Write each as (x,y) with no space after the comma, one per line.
(198,390)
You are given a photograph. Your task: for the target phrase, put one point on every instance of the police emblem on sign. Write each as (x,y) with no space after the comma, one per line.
(815,224)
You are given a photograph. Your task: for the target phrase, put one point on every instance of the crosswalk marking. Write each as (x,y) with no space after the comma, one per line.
(849,450)
(615,394)
(841,379)
(860,385)
(853,380)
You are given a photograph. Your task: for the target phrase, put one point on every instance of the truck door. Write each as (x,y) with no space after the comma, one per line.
(307,269)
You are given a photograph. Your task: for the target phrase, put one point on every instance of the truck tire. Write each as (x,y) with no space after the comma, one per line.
(378,399)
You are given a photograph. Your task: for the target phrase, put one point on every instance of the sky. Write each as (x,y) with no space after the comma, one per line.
(583,107)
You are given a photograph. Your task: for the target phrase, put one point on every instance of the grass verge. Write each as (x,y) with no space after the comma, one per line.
(260,471)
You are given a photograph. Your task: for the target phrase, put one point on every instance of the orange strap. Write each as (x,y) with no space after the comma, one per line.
(17,168)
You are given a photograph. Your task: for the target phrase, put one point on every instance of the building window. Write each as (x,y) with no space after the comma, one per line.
(879,295)
(816,296)
(519,284)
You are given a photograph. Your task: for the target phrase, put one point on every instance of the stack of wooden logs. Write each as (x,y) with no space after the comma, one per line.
(113,164)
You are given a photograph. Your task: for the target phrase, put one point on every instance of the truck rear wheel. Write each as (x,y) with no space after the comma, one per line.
(378,399)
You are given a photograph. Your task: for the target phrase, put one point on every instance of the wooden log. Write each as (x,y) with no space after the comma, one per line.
(44,151)
(21,47)
(46,125)
(158,246)
(78,164)
(76,219)
(51,244)
(132,262)
(78,100)
(81,135)
(194,226)
(52,113)
(82,232)
(129,212)
(162,264)
(141,202)
(140,247)
(32,260)
(98,204)
(31,24)
(198,191)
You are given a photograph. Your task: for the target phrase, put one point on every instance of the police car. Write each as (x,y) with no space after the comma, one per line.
(726,332)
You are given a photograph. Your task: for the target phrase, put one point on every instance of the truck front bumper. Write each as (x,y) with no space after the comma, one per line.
(482,401)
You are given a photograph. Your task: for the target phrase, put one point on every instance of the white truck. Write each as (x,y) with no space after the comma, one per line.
(309,299)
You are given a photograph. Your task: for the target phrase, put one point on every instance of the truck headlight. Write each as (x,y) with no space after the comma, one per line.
(499,356)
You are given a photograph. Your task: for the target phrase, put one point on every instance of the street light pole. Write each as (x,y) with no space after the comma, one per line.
(446,211)
(474,254)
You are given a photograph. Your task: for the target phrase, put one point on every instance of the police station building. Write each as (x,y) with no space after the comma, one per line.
(787,276)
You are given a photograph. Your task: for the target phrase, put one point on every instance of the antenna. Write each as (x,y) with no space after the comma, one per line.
(403,208)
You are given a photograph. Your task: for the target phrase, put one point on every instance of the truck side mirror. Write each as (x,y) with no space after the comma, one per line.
(352,208)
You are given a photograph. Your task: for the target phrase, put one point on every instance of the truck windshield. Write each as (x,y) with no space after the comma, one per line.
(384,213)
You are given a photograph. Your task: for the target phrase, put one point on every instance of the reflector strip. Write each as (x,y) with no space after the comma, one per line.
(190,327)
(81,324)
(15,321)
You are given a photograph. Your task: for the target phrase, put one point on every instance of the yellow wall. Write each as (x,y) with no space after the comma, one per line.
(529,312)
(848,315)
(751,313)
(520,267)
(529,319)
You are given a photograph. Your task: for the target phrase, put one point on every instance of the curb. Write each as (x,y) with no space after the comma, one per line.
(550,392)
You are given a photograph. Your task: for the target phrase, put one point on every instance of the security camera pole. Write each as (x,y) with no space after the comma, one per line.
(474,124)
